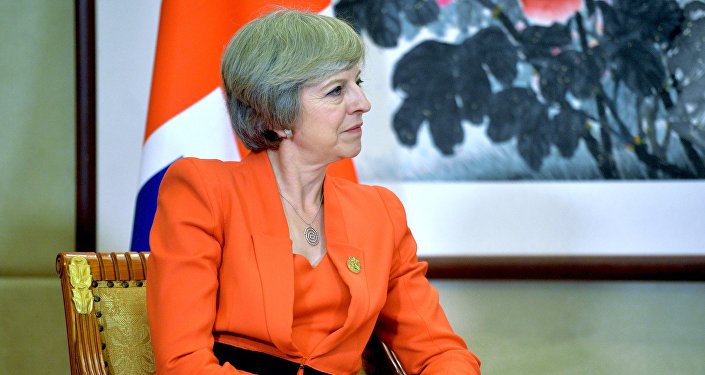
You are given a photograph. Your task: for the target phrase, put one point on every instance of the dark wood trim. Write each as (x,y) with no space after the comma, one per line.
(672,268)
(85,126)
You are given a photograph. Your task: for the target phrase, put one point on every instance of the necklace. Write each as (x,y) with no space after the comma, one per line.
(310,233)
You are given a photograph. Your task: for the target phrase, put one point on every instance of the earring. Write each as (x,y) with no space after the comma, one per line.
(288,133)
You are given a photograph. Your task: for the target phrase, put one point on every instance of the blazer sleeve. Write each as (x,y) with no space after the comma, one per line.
(183,267)
(412,321)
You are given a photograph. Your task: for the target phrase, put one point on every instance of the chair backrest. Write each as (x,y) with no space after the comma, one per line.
(106,314)
(106,317)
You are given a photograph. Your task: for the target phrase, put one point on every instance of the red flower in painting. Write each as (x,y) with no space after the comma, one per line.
(546,12)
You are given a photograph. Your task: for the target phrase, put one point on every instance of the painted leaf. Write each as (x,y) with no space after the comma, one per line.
(658,21)
(616,26)
(383,24)
(352,11)
(429,97)
(640,67)
(380,18)
(567,128)
(471,82)
(568,72)
(420,12)
(516,112)
(534,144)
(538,41)
(407,121)
(493,47)
(512,111)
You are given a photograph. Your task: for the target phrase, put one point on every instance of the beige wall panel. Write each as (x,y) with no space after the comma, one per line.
(37,134)
(576,328)
(32,328)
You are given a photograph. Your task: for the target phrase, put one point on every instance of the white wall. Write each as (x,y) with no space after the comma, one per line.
(126,36)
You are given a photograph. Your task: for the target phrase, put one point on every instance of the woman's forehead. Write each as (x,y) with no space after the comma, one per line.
(337,76)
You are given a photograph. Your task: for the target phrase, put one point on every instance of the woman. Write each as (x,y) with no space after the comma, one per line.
(270,261)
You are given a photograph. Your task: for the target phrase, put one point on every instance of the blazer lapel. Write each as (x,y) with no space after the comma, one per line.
(340,251)
(273,252)
(277,277)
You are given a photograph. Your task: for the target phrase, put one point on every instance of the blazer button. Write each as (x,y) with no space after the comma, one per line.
(354,265)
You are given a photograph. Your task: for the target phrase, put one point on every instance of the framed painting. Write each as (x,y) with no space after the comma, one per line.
(527,139)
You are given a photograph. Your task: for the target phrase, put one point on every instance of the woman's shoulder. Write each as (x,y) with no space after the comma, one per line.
(202,174)
(192,165)
(366,193)
(198,163)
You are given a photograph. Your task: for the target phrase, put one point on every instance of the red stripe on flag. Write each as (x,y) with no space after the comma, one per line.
(192,36)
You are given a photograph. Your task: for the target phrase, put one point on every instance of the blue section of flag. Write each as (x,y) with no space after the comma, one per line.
(145,210)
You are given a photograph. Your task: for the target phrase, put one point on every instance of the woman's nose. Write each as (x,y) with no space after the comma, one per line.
(361,103)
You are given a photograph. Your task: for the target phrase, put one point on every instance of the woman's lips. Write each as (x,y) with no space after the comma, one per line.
(354,129)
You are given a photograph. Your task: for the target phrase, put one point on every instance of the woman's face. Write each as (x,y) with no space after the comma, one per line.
(329,125)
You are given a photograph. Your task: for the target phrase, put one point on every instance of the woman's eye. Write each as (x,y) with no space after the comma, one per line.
(336,91)
(359,82)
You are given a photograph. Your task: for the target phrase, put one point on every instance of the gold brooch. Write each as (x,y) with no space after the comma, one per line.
(354,265)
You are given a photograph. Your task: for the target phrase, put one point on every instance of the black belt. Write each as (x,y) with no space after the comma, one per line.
(258,363)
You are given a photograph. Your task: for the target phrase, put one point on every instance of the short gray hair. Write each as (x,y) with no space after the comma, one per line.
(271,58)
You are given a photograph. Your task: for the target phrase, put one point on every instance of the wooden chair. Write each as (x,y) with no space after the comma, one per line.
(106,317)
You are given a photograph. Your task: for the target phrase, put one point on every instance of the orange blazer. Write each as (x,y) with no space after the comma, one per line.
(221,268)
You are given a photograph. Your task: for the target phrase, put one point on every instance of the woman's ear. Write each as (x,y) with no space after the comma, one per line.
(285,133)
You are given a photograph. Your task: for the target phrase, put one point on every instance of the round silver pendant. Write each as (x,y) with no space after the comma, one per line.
(311,235)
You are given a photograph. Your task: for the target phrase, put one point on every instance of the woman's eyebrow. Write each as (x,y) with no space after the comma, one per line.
(342,80)
(339,80)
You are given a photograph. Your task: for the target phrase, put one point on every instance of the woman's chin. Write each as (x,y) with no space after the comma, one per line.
(352,152)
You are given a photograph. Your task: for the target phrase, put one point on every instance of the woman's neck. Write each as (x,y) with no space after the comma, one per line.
(300,183)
